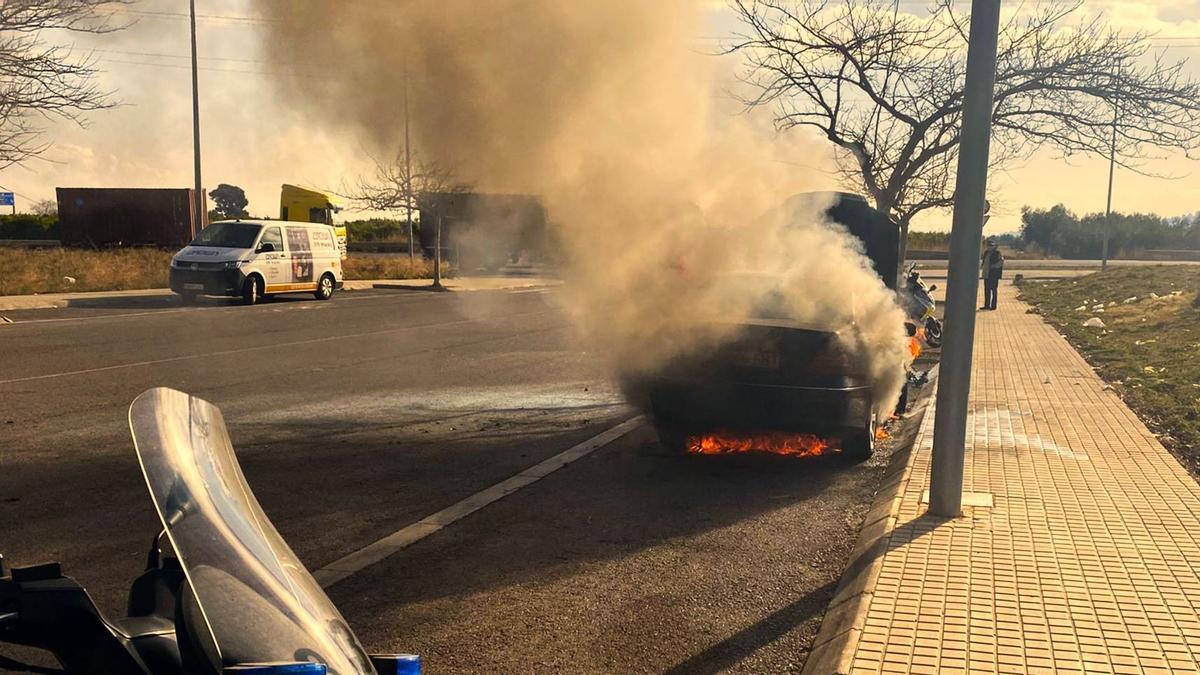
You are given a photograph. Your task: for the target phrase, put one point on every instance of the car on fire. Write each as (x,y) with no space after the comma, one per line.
(778,379)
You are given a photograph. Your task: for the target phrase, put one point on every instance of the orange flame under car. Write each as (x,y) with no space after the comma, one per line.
(914,347)
(792,445)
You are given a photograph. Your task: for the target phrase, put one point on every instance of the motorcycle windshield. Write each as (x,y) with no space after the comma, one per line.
(255,599)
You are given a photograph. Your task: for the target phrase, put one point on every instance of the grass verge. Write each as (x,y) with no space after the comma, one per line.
(61,270)
(50,270)
(391,267)
(1148,349)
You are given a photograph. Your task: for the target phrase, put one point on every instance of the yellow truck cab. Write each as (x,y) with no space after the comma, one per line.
(303,205)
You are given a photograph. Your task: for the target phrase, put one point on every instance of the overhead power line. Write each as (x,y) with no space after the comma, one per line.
(188,56)
(183,16)
(206,69)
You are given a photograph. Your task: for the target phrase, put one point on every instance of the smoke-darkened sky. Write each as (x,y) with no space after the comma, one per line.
(256,138)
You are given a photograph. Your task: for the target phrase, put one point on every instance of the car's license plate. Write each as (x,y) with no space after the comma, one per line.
(193,287)
(761,358)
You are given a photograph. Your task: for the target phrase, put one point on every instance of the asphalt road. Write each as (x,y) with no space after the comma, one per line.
(357,417)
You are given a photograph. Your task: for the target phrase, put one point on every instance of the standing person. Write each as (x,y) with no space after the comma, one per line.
(993,268)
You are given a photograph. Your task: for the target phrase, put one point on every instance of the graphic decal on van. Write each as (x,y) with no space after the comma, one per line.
(301,254)
(322,240)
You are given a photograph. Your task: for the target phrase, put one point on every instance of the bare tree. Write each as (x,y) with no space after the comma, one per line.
(398,184)
(886,88)
(40,81)
(45,207)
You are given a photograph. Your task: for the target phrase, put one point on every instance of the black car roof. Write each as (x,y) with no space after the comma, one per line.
(879,234)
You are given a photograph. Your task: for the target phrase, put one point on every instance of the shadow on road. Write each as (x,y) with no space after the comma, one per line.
(634,559)
(138,302)
(735,648)
(173,301)
(605,510)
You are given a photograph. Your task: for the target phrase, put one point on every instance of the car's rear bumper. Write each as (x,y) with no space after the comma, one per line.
(206,282)
(748,406)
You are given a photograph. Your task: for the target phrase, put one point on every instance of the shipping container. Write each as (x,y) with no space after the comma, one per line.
(163,217)
(483,230)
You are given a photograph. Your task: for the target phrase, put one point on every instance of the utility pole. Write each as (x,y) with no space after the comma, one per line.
(437,255)
(408,195)
(962,284)
(1112,166)
(201,205)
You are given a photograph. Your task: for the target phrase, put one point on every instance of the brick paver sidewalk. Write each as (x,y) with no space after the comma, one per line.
(1088,559)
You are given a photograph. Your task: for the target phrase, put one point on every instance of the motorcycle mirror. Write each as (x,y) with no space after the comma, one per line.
(933,288)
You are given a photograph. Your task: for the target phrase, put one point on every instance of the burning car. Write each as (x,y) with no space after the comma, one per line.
(778,385)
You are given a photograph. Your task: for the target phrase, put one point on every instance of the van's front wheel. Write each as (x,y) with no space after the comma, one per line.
(252,290)
(324,287)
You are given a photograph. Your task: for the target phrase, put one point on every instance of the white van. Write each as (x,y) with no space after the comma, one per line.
(254,258)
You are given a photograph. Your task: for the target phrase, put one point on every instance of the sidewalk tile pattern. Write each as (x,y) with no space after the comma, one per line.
(1089,561)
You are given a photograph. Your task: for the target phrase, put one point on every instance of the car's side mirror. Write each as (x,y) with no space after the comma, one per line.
(933,288)
(265,247)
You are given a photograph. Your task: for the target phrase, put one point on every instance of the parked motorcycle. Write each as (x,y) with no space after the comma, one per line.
(222,592)
(918,303)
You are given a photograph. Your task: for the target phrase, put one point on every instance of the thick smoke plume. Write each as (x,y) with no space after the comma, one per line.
(611,112)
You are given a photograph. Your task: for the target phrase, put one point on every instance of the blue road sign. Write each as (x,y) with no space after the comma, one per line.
(6,199)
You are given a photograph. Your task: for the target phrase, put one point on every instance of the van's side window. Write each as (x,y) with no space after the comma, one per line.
(274,237)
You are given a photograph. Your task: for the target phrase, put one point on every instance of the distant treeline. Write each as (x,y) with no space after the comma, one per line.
(28,226)
(1059,232)
(379,229)
(940,241)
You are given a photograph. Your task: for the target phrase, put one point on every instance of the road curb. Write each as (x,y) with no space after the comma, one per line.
(846,615)
(425,285)
(60,300)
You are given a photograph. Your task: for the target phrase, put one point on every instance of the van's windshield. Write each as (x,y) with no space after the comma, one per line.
(228,235)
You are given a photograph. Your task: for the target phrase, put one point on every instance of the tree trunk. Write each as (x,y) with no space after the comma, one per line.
(884,205)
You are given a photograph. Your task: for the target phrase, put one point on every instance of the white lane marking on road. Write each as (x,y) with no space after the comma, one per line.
(227,352)
(377,551)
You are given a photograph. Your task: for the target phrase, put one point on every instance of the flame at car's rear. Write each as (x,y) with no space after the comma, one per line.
(777,443)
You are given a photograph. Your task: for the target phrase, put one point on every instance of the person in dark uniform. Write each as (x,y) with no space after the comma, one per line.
(992,266)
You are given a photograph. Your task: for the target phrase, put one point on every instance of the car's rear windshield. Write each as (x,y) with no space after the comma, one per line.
(228,235)
(763,290)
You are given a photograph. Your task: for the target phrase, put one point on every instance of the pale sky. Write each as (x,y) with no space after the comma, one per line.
(251,139)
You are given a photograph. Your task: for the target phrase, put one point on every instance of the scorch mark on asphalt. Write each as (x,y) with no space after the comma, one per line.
(381,549)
